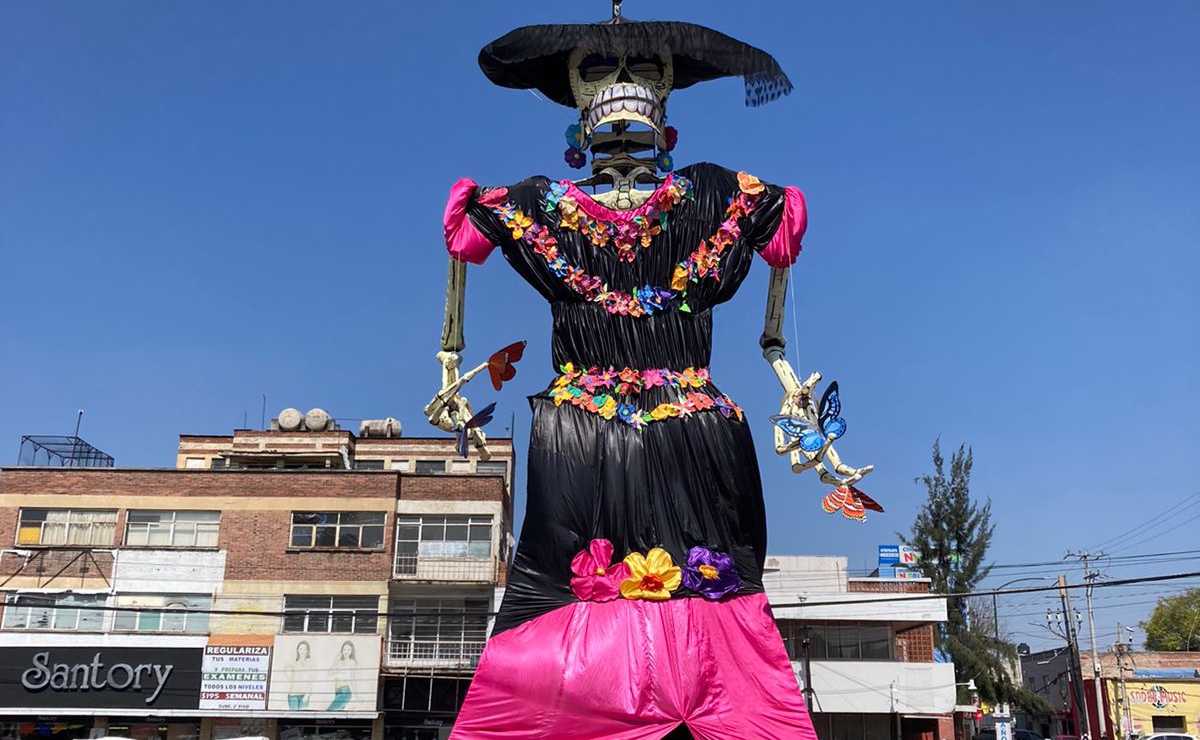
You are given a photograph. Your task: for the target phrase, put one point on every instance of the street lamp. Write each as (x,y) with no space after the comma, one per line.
(996,613)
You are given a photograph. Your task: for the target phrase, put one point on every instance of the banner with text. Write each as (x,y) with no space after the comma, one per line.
(234,673)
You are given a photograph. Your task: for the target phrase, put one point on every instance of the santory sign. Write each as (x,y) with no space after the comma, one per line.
(110,677)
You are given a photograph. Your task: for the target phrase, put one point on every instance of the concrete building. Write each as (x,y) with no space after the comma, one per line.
(306,582)
(1141,692)
(289,583)
(870,648)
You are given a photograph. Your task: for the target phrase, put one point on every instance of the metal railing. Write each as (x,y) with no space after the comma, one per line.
(424,568)
(433,653)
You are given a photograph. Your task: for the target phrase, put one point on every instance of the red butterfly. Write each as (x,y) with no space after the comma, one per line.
(852,502)
(500,365)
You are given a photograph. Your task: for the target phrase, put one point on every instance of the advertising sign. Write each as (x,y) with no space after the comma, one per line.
(1158,698)
(909,556)
(235,676)
(100,677)
(325,673)
(889,554)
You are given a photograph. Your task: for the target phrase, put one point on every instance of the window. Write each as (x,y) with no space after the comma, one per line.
(399,465)
(838,640)
(1169,723)
(57,611)
(876,641)
(347,614)
(492,467)
(67,527)
(853,726)
(428,467)
(194,463)
(361,530)
(441,537)
(172,528)
(163,613)
(438,630)
(426,694)
(218,462)
(345,730)
(368,464)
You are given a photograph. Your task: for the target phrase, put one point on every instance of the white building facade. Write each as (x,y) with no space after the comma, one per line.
(868,645)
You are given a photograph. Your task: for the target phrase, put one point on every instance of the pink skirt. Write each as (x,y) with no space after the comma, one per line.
(635,670)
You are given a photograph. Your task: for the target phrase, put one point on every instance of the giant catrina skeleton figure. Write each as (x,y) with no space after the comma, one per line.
(635,606)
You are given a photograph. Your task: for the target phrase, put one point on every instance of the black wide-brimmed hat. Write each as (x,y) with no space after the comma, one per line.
(537,56)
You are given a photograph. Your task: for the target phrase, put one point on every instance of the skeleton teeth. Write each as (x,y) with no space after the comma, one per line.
(622,100)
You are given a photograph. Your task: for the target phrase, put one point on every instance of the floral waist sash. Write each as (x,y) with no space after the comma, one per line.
(612,392)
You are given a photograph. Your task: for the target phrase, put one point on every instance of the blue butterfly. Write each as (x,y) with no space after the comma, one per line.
(478,420)
(830,421)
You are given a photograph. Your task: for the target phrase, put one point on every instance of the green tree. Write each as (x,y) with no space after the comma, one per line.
(1174,624)
(952,533)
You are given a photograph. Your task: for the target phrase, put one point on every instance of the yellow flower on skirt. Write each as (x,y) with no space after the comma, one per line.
(652,576)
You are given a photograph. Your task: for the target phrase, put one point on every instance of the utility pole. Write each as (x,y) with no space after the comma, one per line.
(1123,649)
(806,643)
(1097,674)
(1073,663)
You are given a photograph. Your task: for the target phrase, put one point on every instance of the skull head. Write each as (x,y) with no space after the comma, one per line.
(612,86)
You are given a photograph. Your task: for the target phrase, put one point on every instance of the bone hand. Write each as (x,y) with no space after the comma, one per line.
(481,444)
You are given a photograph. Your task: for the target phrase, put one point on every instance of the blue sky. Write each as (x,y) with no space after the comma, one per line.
(201,203)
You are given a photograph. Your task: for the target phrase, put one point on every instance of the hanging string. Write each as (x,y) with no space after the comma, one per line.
(795,322)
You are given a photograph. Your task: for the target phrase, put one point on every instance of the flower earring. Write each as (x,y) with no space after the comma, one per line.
(577,143)
(664,161)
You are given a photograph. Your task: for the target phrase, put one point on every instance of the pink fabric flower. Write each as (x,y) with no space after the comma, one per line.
(597,578)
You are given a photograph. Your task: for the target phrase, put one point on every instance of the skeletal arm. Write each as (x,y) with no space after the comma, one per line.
(798,396)
(449,410)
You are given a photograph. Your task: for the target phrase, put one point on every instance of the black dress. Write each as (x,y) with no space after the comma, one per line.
(633,443)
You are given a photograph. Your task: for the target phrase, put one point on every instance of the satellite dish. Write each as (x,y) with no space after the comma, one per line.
(317,420)
(290,419)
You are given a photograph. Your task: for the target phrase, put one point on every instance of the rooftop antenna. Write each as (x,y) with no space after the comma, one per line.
(75,439)
(262,422)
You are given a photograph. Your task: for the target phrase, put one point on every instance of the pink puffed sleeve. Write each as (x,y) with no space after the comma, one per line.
(463,240)
(785,245)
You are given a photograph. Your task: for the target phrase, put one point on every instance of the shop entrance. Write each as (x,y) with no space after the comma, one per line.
(24,728)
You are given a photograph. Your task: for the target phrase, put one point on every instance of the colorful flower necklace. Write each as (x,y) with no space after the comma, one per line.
(628,230)
(644,301)
(592,390)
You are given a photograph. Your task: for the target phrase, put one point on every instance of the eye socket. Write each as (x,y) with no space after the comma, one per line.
(596,67)
(648,67)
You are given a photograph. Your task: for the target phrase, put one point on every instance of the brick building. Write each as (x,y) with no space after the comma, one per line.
(1141,692)
(870,647)
(305,582)
(292,583)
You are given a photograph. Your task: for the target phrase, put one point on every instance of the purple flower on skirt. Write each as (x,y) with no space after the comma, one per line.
(710,573)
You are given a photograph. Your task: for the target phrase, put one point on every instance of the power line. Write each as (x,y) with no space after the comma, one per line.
(1150,523)
(366,614)
(777,580)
